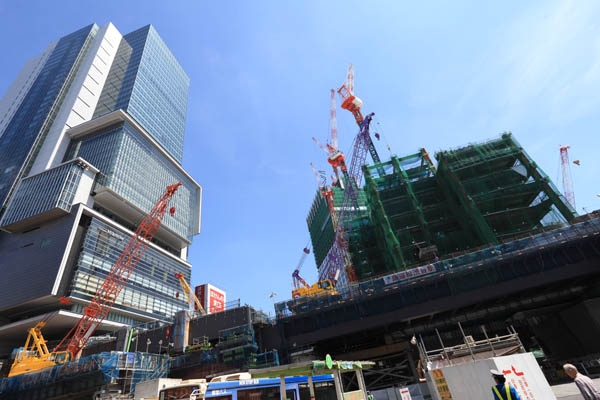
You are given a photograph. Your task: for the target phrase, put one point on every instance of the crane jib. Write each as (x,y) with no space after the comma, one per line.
(114,282)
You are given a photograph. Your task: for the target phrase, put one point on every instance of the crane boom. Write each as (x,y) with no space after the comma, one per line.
(189,293)
(95,312)
(338,264)
(333,121)
(296,278)
(327,193)
(566,174)
(353,104)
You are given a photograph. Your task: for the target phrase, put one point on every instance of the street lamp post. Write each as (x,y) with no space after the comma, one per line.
(148,342)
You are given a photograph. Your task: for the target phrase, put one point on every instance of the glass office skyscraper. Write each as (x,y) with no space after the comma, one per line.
(147,81)
(91,133)
(22,136)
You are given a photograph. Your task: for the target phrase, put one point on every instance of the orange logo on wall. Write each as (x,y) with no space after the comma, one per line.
(441,384)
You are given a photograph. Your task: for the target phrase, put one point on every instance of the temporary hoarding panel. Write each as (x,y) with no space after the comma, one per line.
(472,380)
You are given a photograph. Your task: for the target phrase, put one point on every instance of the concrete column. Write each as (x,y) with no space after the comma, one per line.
(339,389)
(182,327)
(411,362)
(311,387)
(361,381)
(282,387)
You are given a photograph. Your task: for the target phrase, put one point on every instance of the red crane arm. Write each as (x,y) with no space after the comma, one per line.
(95,312)
(297,279)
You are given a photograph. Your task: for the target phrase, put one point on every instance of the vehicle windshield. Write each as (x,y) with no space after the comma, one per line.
(177,393)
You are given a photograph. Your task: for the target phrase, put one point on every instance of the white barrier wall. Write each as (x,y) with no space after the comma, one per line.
(473,380)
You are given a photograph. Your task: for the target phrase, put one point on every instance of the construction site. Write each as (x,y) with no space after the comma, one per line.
(482,243)
(471,251)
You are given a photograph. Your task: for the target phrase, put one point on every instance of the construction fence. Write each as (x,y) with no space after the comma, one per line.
(99,369)
(481,268)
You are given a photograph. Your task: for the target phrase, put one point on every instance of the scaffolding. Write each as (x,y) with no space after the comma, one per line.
(471,349)
(320,225)
(236,349)
(114,368)
(237,344)
(479,195)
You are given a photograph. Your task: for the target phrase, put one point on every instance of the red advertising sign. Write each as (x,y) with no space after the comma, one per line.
(216,301)
(211,298)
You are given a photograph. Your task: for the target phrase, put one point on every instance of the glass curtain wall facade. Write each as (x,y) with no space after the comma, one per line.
(26,131)
(152,289)
(133,168)
(148,83)
(51,189)
(66,224)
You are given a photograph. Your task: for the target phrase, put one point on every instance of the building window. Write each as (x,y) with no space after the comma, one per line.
(102,245)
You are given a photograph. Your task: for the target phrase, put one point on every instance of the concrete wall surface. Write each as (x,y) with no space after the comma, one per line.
(417,392)
(569,391)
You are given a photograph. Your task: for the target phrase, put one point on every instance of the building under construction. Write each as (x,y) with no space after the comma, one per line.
(480,195)
(481,241)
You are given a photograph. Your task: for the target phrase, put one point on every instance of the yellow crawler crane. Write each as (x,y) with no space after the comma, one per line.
(189,293)
(302,288)
(321,288)
(35,356)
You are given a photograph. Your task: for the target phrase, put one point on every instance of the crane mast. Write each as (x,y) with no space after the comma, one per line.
(327,193)
(95,312)
(338,264)
(566,174)
(353,104)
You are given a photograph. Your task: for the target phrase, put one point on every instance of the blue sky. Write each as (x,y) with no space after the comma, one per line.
(438,75)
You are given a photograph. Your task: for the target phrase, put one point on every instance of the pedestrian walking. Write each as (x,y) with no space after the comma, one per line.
(502,390)
(584,384)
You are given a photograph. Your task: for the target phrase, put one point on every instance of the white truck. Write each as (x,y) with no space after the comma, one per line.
(168,388)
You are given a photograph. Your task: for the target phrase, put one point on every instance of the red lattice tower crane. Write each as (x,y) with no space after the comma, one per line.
(95,312)
(353,104)
(327,193)
(566,174)
(334,132)
(338,264)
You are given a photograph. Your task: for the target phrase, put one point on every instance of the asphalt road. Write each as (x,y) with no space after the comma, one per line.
(569,391)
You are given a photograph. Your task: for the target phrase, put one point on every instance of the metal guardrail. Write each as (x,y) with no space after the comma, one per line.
(381,285)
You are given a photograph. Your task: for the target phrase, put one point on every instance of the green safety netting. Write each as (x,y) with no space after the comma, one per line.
(484,267)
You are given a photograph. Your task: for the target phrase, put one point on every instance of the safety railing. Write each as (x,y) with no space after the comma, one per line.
(474,259)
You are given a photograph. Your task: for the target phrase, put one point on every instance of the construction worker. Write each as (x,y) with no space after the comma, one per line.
(502,390)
